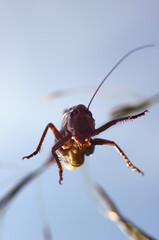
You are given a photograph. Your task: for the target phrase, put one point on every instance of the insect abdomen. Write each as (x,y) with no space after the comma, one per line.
(76,157)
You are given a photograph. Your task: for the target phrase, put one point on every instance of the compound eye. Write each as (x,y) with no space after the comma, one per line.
(73,113)
(90,114)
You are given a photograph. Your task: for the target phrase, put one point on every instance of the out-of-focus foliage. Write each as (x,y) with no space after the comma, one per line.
(111,211)
(66,92)
(127,109)
(109,208)
(6,199)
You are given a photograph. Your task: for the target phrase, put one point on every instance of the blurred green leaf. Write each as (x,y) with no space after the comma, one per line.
(66,92)
(127,109)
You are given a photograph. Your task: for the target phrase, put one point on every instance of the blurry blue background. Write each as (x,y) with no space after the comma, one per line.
(51,45)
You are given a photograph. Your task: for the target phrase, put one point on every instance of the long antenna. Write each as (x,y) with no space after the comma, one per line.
(116,65)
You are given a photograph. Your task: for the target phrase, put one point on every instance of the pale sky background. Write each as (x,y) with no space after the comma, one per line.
(52,45)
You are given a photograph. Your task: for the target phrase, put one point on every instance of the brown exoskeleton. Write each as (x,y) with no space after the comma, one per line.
(74,141)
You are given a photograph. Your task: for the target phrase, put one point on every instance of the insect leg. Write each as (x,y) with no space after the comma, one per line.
(59,166)
(56,133)
(58,145)
(99,141)
(113,122)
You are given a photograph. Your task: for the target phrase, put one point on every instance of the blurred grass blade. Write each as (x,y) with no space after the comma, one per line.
(130,108)
(66,92)
(47,234)
(108,92)
(4,201)
(111,211)
(45,228)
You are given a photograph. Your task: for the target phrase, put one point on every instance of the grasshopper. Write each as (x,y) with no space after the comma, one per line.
(75,139)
